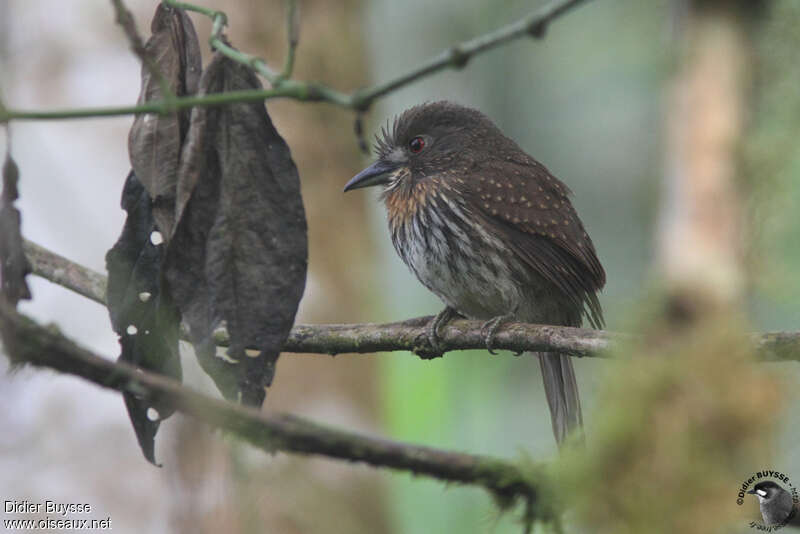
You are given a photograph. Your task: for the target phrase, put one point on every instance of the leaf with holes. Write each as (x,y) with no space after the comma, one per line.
(155,140)
(239,252)
(14,266)
(142,315)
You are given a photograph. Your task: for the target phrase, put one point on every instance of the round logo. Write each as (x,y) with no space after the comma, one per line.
(778,499)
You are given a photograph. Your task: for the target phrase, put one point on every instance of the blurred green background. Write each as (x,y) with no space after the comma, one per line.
(587,101)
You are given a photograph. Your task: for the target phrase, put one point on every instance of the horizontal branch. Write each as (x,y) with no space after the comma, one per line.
(28,342)
(460,334)
(355,338)
(406,335)
(456,56)
(66,273)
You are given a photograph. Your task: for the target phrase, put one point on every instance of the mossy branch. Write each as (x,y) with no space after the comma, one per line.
(27,342)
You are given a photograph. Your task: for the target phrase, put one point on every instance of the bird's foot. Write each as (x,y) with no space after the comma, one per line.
(432,333)
(489,330)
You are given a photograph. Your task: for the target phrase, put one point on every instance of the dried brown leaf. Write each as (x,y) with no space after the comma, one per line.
(142,315)
(14,266)
(155,141)
(239,251)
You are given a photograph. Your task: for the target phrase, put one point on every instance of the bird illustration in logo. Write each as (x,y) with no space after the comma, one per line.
(776,504)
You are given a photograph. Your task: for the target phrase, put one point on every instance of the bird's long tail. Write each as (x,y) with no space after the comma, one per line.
(561,390)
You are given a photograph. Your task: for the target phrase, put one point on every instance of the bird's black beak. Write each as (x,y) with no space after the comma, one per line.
(751,491)
(375,174)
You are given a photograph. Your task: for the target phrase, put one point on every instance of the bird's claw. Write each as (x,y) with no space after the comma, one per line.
(434,340)
(490,328)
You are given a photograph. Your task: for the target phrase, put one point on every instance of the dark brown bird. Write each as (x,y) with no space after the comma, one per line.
(490,231)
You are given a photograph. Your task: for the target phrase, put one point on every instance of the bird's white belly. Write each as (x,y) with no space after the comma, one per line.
(467,270)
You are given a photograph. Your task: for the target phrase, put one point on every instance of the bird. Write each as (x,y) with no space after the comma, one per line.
(776,504)
(490,231)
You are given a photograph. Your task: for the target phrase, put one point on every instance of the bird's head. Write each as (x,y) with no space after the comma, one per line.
(428,140)
(766,491)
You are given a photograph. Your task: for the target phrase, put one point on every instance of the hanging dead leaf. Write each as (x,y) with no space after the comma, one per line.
(155,141)
(142,315)
(239,251)
(14,266)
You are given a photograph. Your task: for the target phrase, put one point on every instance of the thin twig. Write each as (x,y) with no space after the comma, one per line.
(292,37)
(457,56)
(29,342)
(290,89)
(2,105)
(126,21)
(218,42)
(406,335)
(454,57)
(208,12)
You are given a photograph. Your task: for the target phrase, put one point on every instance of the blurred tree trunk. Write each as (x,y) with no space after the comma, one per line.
(702,226)
(296,494)
(686,423)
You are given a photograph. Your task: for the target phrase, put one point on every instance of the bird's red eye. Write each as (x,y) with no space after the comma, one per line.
(417,144)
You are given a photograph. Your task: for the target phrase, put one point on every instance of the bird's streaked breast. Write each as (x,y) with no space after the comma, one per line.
(436,235)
